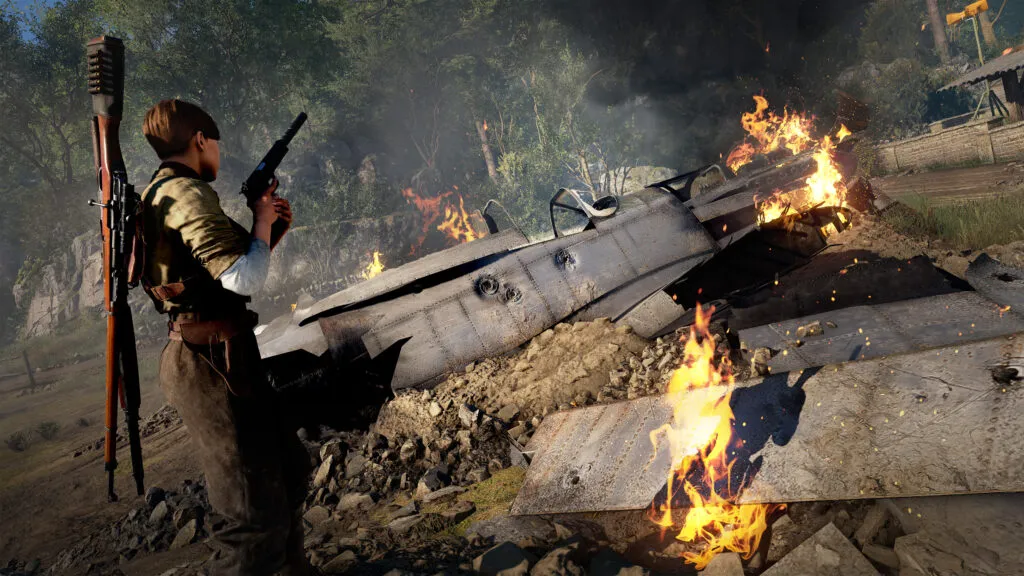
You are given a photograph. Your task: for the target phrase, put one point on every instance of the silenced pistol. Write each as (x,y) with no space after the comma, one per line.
(261,178)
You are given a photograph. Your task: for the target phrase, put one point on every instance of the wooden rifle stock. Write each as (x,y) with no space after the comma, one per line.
(119,203)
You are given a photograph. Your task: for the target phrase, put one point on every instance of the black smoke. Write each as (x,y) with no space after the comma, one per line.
(694,64)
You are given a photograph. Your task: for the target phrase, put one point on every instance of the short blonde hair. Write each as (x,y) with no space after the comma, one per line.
(170,125)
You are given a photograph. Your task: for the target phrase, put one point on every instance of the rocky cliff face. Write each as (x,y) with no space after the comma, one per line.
(62,288)
(314,260)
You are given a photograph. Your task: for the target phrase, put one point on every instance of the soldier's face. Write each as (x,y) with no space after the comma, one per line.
(209,158)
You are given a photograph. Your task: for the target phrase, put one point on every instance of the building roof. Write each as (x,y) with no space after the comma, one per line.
(991,70)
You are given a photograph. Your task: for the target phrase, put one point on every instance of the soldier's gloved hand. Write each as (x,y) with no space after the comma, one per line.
(264,209)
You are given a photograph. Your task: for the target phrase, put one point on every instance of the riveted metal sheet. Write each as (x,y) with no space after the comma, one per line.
(395,278)
(619,302)
(999,282)
(863,332)
(539,285)
(927,423)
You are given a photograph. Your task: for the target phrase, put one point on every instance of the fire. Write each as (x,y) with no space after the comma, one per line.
(703,447)
(823,188)
(456,224)
(374,268)
(430,208)
(769,133)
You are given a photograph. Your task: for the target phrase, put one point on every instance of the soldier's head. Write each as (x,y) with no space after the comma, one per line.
(183,132)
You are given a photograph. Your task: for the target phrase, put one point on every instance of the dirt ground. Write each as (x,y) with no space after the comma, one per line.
(48,497)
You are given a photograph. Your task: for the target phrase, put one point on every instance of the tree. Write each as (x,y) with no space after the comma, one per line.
(938,25)
(988,32)
(44,108)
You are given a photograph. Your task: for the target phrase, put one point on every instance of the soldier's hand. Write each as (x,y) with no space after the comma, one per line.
(264,209)
(283,209)
(283,222)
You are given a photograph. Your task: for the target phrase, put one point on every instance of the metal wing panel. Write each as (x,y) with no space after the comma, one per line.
(422,354)
(927,423)
(863,332)
(511,300)
(396,278)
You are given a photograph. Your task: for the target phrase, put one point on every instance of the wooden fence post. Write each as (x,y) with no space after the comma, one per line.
(28,369)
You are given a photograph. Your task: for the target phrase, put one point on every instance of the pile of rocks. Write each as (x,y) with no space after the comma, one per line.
(354,469)
(37,389)
(17,568)
(164,418)
(167,520)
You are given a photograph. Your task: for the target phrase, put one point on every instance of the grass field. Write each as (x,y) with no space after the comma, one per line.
(967,225)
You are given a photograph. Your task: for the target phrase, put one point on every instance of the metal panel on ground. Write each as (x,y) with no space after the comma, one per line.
(863,332)
(941,421)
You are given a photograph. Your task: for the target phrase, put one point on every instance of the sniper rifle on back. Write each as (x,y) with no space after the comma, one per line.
(119,203)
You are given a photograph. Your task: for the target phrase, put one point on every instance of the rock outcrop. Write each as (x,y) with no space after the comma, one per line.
(63,287)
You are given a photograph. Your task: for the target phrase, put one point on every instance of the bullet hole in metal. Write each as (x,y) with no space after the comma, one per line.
(564,258)
(487,285)
(512,294)
(1005,375)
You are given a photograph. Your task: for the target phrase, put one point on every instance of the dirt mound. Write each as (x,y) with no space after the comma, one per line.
(565,366)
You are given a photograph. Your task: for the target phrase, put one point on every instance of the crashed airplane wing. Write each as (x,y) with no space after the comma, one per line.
(414,323)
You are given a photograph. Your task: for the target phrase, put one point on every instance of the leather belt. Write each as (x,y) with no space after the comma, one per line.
(191,327)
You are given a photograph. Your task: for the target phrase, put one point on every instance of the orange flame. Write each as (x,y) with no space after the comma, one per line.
(769,133)
(430,208)
(824,187)
(703,450)
(374,268)
(455,225)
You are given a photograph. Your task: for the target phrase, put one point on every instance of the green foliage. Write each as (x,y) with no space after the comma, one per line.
(893,30)
(17,442)
(867,159)
(968,225)
(48,430)
(29,270)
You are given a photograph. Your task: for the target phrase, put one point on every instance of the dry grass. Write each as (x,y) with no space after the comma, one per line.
(77,396)
(492,497)
(966,225)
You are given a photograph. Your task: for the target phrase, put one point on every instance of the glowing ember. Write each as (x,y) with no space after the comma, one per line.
(703,448)
(768,133)
(373,268)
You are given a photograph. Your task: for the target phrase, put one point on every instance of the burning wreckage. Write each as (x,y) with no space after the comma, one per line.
(908,394)
(643,259)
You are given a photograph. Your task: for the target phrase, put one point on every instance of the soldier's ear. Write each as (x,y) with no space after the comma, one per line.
(200,140)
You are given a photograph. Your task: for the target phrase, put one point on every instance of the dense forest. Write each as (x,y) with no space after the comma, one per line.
(505,99)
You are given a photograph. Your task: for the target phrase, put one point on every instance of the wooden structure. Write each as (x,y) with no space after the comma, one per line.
(1005,68)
